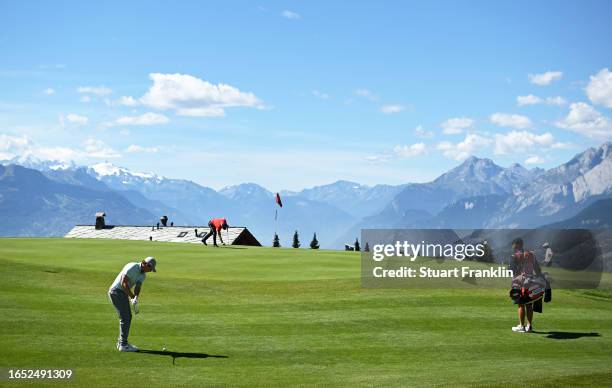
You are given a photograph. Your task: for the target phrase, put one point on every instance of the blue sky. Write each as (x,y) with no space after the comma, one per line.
(295,94)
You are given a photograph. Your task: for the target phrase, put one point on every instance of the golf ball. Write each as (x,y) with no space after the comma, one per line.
(164,349)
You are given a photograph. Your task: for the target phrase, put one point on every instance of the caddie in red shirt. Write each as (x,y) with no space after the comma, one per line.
(216,224)
(526,290)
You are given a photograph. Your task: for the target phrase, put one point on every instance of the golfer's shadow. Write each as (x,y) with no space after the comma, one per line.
(176,355)
(565,335)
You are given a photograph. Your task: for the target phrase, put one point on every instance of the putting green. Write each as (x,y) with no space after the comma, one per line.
(281,317)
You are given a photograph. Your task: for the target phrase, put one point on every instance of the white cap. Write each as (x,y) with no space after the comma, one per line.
(151,262)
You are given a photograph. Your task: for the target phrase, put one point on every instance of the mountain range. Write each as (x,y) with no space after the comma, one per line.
(40,198)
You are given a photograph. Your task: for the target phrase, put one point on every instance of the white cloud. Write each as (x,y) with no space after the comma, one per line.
(535,159)
(95,90)
(75,119)
(191,96)
(49,91)
(377,158)
(584,119)
(22,146)
(599,89)
(367,94)
(148,118)
(421,132)
(390,109)
(11,146)
(456,125)
(510,120)
(561,146)
(290,14)
(530,99)
(127,101)
(399,151)
(522,142)
(85,99)
(95,148)
(62,154)
(134,148)
(320,95)
(558,100)
(546,78)
(407,151)
(464,149)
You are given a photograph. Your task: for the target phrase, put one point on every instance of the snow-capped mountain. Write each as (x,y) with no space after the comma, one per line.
(107,171)
(196,203)
(477,193)
(31,204)
(245,204)
(31,161)
(108,177)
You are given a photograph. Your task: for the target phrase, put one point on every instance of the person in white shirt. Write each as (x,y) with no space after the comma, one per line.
(548,255)
(120,293)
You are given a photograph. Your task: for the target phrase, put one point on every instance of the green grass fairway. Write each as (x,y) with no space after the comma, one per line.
(282,317)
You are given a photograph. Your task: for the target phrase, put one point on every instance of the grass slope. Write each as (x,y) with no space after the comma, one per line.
(281,316)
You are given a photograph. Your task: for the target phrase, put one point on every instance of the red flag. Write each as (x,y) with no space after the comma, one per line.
(278,200)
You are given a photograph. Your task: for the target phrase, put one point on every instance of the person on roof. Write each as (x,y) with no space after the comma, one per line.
(215,225)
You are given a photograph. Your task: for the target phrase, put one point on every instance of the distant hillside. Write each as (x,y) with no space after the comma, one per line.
(475,194)
(255,206)
(560,192)
(474,177)
(34,205)
(351,197)
(480,194)
(198,203)
(595,216)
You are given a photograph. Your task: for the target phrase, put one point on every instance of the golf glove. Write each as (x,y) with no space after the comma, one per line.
(135,305)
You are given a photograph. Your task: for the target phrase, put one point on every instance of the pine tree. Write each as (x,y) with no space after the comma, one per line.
(276,242)
(314,244)
(357,247)
(367,247)
(296,240)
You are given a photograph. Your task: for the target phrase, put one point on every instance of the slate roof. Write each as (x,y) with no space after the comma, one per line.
(237,235)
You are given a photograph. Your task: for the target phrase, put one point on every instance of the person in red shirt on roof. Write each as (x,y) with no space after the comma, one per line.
(216,224)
